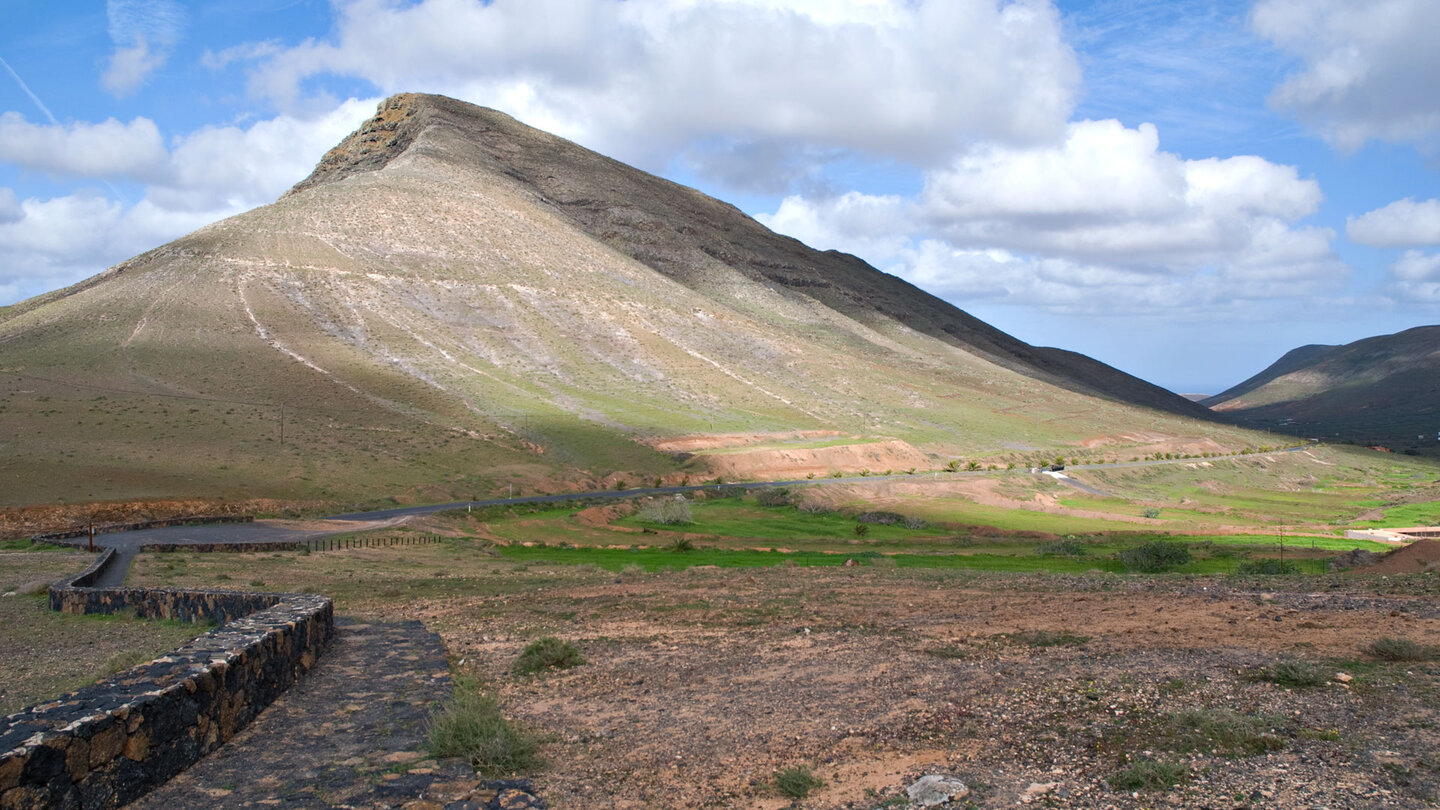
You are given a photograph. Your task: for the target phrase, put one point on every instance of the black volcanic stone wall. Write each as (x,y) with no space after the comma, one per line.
(110,743)
(109,528)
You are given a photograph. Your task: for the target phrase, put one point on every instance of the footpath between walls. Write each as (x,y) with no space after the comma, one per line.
(110,743)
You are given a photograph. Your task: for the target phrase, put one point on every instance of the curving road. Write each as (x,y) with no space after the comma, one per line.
(127,544)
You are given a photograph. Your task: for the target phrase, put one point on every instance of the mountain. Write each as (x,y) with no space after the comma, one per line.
(453,302)
(1381,390)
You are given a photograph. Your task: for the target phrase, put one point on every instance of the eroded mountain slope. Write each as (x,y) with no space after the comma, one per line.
(454,301)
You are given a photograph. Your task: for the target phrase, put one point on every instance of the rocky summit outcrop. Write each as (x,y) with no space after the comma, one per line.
(454,301)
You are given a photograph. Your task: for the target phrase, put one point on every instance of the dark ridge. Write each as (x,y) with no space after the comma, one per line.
(1292,361)
(1382,390)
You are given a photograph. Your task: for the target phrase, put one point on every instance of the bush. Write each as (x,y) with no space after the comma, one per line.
(470,725)
(1150,512)
(1294,672)
(1223,731)
(1267,567)
(681,544)
(1155,556)
(797,782)
(861,530)
(547,652)
(666,511)
(882,518)
(1148,774)
(1048,638)
(773,496)
(1401,649)
(1062,548)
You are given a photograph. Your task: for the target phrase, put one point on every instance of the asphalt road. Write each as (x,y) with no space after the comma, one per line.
(127,544)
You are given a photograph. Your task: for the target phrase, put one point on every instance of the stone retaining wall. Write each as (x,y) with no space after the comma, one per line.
(110,528)
(232,548)
(110,743)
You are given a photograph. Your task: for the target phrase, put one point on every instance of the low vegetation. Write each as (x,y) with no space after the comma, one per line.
(797,782)
(470,725)
(1148,774)
(1294,672)
(1155,557)
(547,652)
(1390,648)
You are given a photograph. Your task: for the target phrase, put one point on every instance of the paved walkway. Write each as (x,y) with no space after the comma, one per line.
(350,734)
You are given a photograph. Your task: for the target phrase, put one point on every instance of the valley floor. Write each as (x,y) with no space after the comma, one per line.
(1082,691)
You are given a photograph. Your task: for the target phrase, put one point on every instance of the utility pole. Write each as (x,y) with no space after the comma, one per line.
(92,535)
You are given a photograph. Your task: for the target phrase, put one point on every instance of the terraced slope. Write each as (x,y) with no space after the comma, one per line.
(1382,390)
(454,301)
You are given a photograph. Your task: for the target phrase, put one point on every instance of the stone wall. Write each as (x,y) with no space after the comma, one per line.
(109,528)
(110,743)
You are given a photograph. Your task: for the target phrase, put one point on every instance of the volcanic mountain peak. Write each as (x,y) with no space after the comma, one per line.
(452,290)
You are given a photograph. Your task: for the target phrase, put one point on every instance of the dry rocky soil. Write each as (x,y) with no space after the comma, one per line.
(700,686)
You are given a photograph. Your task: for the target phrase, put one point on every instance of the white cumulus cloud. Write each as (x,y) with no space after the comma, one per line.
(1103,221)
(1403,223)
(1367,69)
(109,149)
(1108,194)
(647,79)
(1415,277)
(207,175)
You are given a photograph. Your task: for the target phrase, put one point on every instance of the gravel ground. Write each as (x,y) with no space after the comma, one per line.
(699,686)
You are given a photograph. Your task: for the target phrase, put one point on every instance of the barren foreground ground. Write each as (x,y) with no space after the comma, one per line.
(699,685)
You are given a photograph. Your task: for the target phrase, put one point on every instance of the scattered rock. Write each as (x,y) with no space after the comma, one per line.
(936,789)
(1036,790)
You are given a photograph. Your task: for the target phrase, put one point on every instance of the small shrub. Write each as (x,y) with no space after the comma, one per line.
(1048,638)
(797,782)
(915,523)
(681,544)
(1294,672)
(1155,556)
(1270,567)
(1148,774)
(972,466)
(1062,548)
(470,725)
(1401,649)
(1150,512)
(547,652)
(773,496)
(883,518)
(861,530)
(1223,731)
(947,651)
(667,511)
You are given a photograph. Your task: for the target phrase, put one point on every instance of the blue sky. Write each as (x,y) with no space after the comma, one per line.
(1184,190)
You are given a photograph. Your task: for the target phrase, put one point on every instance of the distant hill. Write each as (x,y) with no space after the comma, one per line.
(1382,390)
(454,302)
